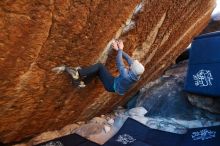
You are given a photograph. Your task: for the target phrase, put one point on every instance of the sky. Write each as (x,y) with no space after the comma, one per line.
(216,12)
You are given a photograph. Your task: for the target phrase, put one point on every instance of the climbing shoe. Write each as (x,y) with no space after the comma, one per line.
(73,72)
(59,69)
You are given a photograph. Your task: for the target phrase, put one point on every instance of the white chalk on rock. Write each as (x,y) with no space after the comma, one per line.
(98,120)
(59,69)
(140,119)
(107,128)
(137,111)
(111,121)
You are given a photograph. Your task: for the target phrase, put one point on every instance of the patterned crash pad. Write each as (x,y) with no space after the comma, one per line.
(69,140)
(203,76)
(134,133)
(209,136)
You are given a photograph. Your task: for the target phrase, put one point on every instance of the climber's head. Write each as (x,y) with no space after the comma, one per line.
(137,68)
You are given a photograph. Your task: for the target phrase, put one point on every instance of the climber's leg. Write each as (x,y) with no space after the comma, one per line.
(101,71)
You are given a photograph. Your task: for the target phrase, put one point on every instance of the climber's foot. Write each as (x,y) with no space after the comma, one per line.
(73,72)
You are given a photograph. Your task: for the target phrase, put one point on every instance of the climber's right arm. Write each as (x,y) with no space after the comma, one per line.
(120,64)
(127,58)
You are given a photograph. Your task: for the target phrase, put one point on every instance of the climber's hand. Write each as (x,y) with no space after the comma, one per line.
(120,44)
(114,45)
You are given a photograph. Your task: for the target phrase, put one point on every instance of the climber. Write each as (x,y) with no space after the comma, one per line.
(119,84)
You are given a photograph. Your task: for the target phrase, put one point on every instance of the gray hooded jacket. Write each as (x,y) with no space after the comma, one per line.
(126,78)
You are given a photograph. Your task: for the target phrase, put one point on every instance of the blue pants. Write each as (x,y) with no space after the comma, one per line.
(98,69)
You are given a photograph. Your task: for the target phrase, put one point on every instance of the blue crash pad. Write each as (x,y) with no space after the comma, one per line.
(206,136)
(69,140)
(203,75)
(133,133)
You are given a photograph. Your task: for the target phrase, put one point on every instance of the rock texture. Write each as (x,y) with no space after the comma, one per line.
(36,36)
(168,104)
(166,98)
(207,103)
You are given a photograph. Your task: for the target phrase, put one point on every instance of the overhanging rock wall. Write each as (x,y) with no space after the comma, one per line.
(37,35)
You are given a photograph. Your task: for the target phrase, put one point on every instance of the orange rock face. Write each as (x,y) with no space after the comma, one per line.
(37,35)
